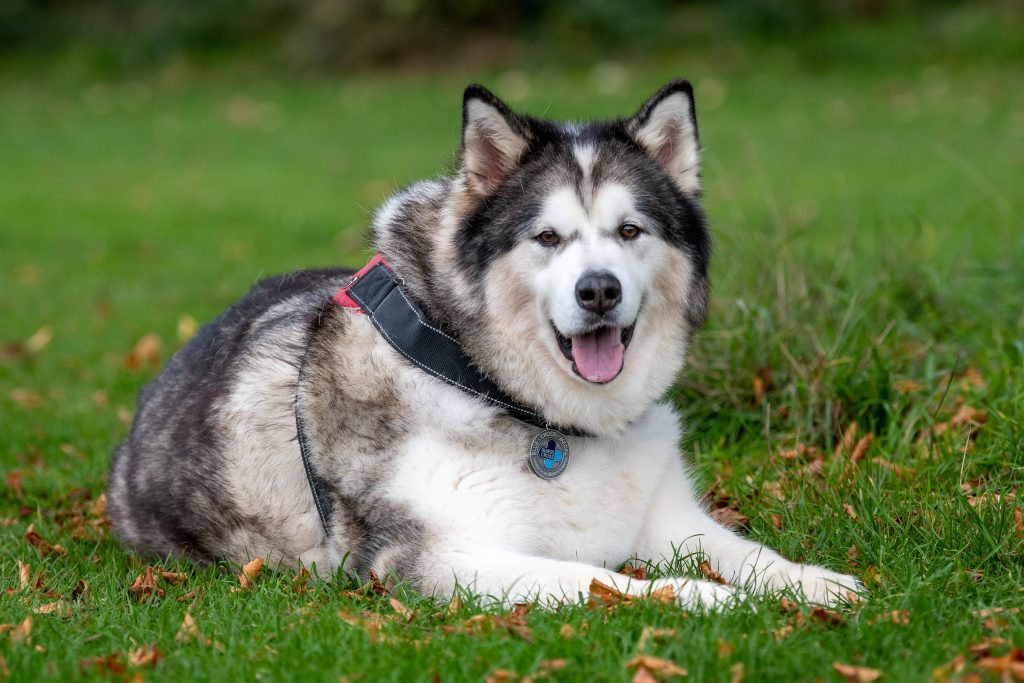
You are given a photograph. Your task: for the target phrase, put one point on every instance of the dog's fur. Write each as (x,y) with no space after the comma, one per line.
(427,483)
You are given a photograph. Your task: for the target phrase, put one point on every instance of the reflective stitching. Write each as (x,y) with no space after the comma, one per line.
(433,372)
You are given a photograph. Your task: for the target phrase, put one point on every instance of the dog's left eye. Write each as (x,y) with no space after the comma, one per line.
(629,231)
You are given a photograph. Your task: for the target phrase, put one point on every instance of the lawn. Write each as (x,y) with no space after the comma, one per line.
(868,271)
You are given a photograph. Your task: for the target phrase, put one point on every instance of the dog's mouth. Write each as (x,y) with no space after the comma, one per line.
(597,355)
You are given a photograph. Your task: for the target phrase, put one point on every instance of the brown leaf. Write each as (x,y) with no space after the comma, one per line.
(862,447)
(850,511)
(187,328)
(827,617)
(145,352)
(22,633)
(24,575)
(401,610)
(111,664)
(300,582)
(44,547)
(710,574)
(81,590)
(729,517)
(639,572)
(249,573)
(26,398)
(758,391)
(784,632)
(501,676)
(896,616)
(655,666)
(856,674)
(566,631)
(736,673)
(14,479)
(40,340)
(652,634)
(852,555)
(984,648)
(724,649)
(145,586)
(99,507)
(58,608)
(1010,665)
(145,655)
(188,631)
(173,578)
(776,521)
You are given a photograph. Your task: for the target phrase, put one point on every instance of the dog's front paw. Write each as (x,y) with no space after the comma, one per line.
(819,585)
(697,594)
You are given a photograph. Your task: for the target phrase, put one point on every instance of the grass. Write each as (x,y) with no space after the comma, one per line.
(867,269)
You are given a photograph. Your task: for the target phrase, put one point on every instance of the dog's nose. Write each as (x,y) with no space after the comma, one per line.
(598,292)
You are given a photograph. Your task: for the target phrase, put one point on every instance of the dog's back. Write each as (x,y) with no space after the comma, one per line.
(167,487)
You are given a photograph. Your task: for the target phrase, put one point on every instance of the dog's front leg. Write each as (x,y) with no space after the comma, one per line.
(677,525)
(509,577)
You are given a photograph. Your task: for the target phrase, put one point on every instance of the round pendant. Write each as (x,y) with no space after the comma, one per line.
(549,454)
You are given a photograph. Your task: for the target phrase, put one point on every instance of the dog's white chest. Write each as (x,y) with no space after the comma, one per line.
(478,491)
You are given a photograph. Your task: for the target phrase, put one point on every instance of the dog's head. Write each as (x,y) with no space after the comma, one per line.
(573,257)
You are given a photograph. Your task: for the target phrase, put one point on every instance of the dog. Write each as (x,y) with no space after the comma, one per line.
(479,408)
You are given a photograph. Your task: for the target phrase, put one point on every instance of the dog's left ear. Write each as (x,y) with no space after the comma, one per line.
(493,139)
(666,126)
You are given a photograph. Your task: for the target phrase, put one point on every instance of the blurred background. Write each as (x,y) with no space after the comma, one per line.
(863,164)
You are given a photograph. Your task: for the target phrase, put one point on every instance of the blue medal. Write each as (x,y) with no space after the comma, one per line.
(549,454)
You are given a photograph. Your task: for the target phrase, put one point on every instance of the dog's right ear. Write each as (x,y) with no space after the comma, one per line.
(493,140)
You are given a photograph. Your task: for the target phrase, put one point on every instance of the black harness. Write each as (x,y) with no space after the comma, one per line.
(377,292)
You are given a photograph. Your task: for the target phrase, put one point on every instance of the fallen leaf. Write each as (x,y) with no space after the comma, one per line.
(828,617)
(776,521)
(173,578)
(44,547)
(907,386)
(300,582)
(784,632)
(40,340)
(14,479)
(711,575)
(1010,665)
(758,391)
(896,616)
(984,648)
(850,511)
(401,610)
(724,649)
(99,507)
(24,575)
(736,672)
(58,608)
(112,664)
(81,590)
(639,573)
(852,555)
(145,655)
(655,666)
(729,517)
(146,352)
(187,328)
(652,634)
(454,605)
(501,676)
(249,573)
(145,586)
(566,631)
(22,633)
(26,398)
(188,631)
(856,674)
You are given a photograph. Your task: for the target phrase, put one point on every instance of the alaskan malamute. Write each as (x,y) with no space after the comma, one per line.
(479,405)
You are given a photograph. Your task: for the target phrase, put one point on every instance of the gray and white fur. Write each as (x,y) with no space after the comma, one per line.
(570,260)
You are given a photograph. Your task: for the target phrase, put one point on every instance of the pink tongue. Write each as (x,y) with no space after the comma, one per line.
(598,355)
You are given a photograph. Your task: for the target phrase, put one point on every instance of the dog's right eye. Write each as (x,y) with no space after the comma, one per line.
(549,238)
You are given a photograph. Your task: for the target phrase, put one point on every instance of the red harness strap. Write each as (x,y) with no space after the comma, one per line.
(342,298)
